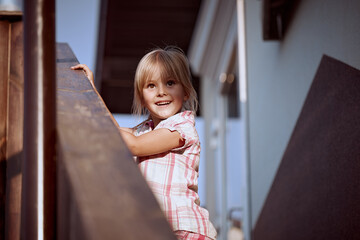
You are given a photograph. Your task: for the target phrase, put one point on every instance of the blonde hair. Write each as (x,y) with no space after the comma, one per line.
(173,63)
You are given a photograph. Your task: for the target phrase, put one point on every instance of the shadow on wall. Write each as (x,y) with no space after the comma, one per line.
(315,193)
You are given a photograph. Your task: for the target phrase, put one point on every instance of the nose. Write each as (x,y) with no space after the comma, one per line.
(161,90)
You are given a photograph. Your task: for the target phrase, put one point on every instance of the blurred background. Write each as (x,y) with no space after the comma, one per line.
(252,61)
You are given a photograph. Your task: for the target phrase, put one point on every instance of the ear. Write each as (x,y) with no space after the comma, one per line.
(186,97)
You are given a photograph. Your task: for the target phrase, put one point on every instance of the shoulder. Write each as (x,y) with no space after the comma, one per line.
(184,124)
(185,118)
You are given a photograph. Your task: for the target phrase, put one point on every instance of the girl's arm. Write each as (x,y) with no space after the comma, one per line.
(129,130)
(154,142)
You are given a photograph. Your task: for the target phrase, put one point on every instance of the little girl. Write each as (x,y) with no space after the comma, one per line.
(166,145)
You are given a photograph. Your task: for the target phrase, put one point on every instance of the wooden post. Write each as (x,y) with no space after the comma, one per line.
(14,133)
(11,122)
(4,63)
(38,199)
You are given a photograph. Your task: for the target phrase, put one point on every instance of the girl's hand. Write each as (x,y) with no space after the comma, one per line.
(88,73)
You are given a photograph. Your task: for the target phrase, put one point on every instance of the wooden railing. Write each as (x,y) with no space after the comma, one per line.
(100,192)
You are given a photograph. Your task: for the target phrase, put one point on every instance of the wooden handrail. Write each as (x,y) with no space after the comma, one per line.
(101,193)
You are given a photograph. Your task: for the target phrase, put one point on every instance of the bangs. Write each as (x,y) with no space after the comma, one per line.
(158,62)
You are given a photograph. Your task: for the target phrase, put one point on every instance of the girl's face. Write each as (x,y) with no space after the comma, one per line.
(162,97)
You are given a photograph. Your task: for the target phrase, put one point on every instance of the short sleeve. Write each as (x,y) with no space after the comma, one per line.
(184,124)
(144,127)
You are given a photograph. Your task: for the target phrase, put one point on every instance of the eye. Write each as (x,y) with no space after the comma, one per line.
(150,85)
(170,83)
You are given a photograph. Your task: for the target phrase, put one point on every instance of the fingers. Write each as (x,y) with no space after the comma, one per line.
(83,67)
(88,73)
(80,66)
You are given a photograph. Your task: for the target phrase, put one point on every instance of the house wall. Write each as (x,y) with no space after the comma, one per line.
(213,52)
(281,72)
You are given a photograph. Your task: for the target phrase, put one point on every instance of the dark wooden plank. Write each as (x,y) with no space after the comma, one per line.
(316,191)
(15,133)
(10,16)
(101,194)
(4,77)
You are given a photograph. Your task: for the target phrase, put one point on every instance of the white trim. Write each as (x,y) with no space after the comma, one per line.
(242,51)
(40,127)
(244,107)
(229,48)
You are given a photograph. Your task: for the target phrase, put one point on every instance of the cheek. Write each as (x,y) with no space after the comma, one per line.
(179,95)
(184,95)
(146,97)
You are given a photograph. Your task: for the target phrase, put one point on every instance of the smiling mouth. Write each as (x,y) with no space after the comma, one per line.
(163,103)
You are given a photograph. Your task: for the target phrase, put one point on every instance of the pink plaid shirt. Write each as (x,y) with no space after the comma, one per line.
(173,176)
